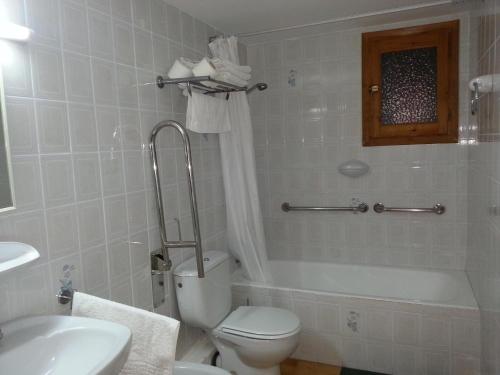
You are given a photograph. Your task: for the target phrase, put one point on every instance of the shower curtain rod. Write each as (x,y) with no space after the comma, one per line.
(341,19)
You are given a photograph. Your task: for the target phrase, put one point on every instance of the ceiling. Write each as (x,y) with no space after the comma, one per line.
(254,16)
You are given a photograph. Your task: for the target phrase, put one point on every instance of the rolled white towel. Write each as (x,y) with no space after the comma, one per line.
(188,62)
(204,68)
(179,70)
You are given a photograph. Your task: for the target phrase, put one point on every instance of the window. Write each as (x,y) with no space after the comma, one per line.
(410,85)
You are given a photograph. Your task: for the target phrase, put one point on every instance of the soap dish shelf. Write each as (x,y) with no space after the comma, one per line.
(199,83)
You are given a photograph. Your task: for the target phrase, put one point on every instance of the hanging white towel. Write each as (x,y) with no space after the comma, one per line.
(154,336)
(207,114)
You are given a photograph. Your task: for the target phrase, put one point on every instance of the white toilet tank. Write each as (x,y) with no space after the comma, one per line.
(205,302)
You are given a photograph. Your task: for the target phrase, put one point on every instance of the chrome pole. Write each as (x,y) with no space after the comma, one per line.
(192,197)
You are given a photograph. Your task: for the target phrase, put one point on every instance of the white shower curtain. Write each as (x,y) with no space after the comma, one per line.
(245,230)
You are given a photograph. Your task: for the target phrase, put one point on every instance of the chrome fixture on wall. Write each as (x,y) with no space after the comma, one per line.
(200,83)
(165,244)
(482,85)
(438,209)
(361,207)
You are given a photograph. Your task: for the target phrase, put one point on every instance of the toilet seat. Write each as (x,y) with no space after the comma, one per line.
(261,323)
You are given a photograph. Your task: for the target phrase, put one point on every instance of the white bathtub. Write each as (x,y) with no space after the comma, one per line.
(443,287)
(389,320)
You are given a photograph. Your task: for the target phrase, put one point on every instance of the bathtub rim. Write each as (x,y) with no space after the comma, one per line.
(238,279)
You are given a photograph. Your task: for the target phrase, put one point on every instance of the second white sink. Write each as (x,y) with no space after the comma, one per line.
(62,345)
(16,254)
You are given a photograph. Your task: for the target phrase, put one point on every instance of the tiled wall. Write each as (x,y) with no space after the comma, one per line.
(79,123)
(483,250)
(388,337)
(309,121)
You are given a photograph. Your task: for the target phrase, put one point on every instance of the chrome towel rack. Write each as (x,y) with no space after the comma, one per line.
(361,207)
(208,85)
(438,209)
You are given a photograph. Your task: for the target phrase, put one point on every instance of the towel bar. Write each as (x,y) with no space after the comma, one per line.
(438,209)
(361,207)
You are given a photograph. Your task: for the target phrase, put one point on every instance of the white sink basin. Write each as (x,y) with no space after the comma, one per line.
(188,368)
(62,345)
(16,254)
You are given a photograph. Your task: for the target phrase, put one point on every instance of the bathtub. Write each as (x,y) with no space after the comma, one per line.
(383,319)
(443,287)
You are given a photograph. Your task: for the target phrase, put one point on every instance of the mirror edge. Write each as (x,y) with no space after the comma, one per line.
(3,109)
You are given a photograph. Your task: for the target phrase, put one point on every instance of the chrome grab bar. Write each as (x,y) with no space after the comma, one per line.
(361,207)
(438,209)
(165,244)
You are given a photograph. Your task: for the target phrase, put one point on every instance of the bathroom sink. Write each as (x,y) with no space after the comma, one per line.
(16,254)
(62,345)
(188,368)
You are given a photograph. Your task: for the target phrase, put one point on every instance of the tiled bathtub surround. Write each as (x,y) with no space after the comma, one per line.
(389,337)
(309,121)
(79,123)
(483,248)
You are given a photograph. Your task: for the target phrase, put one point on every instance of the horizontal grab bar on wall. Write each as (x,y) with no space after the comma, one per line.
(361,207)
(438,209)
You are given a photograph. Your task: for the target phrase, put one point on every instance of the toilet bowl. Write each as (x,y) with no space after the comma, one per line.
(255,340)
(251,340)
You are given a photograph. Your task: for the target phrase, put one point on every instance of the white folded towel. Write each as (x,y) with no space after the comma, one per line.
(207,114)
(230,78)
(154,336)
(230,66)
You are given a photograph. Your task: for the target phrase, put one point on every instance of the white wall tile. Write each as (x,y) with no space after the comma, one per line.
(142,13)
(48,79)
(105,82)
(74,27)
(83,128)
(91,224)
(94,264)
(100,34)
(22,126)
(112,173)
(58,184)
(119,257)
(53,131)
(43,18)
(16,70)
(115,210)
(123,35)
(87,176)
(28,195)
(78,78)
(62,230)
(122,10)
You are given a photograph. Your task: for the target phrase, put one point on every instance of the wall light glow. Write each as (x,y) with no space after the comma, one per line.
(12,31)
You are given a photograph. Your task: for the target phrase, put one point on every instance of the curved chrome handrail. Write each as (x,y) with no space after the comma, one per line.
(192,197)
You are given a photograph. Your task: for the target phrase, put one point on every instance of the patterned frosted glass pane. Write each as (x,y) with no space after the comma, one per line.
(409,86)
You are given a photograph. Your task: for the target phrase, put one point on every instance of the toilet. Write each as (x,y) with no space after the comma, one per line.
(251,340)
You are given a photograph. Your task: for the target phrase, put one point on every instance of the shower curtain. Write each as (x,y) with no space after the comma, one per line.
(245,230)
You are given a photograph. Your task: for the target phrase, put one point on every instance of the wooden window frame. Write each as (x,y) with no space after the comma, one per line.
(445,37)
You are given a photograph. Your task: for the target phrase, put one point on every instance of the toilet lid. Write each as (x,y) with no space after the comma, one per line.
(258,321)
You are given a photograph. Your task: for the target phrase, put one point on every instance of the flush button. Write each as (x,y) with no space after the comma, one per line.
(206,259)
